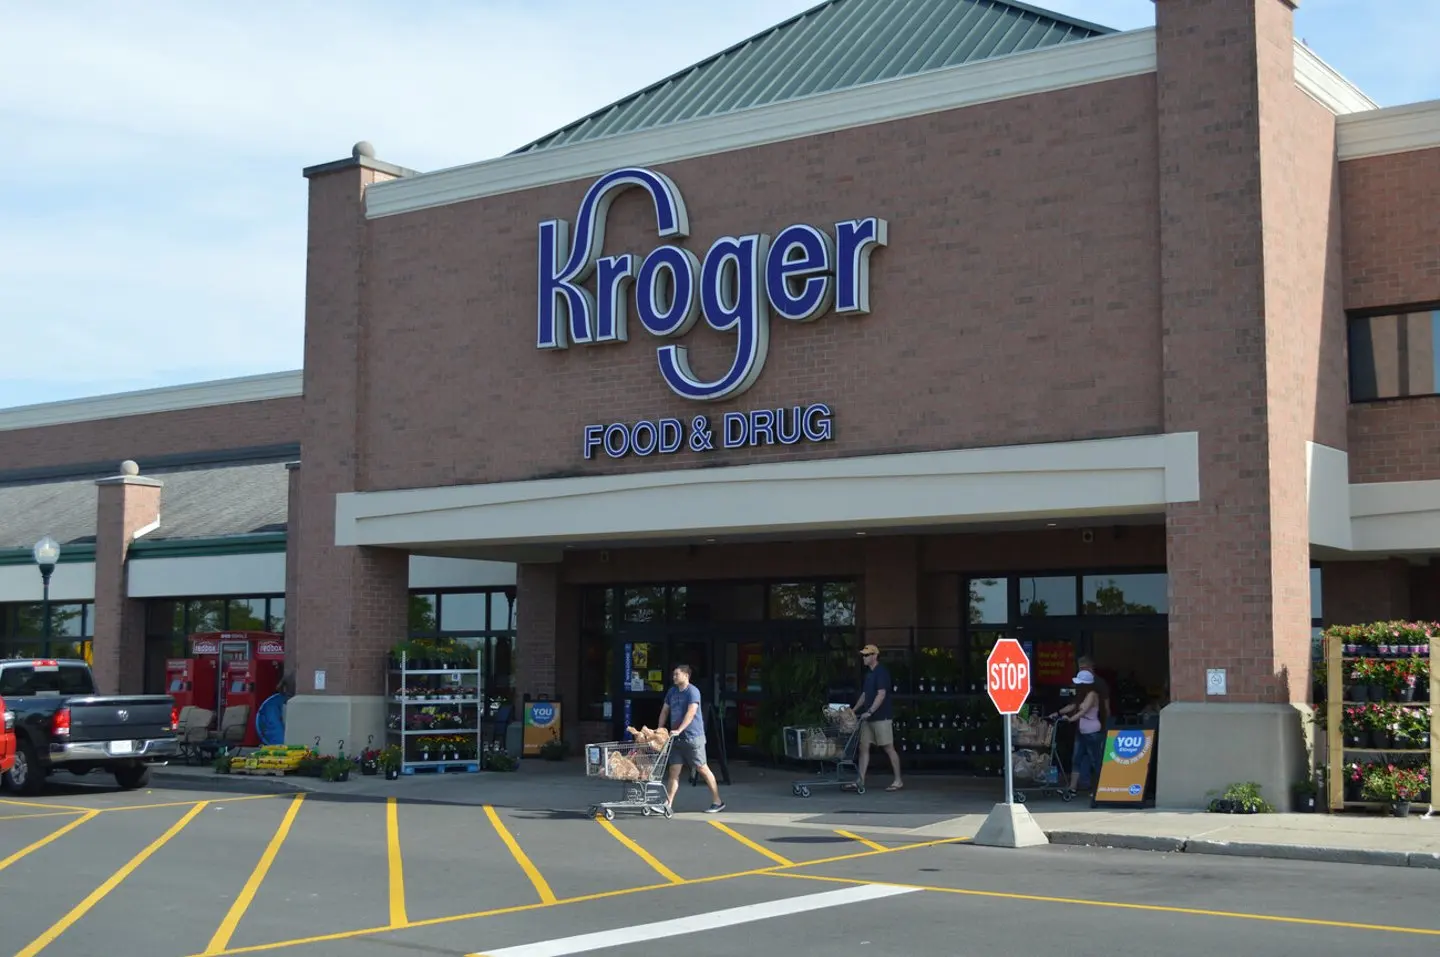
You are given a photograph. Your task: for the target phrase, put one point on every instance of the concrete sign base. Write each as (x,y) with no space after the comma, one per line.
(1010,825)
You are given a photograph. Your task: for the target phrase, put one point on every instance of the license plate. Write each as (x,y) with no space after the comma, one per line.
(122,747)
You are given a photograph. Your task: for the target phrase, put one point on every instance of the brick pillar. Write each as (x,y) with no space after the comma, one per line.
(347,605)
(1239,558)
(125,505)
(1249,256)
(539,618)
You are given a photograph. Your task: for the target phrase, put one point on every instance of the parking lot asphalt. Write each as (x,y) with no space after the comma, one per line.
(171,873)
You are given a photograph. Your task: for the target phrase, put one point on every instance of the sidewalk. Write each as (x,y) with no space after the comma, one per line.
(931,807)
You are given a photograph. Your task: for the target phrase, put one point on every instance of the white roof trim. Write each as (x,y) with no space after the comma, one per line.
(1054,68)
(1325,84)
(255,388)
(1104,476)
(1394,129)
(1395,517)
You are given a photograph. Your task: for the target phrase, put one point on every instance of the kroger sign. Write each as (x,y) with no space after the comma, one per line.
(800,274)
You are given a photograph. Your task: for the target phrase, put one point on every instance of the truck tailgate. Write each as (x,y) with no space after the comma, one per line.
(113,718)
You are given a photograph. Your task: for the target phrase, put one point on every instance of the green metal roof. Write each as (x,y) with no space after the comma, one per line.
(833,46)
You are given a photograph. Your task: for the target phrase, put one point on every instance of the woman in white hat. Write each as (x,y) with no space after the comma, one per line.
(1090,730)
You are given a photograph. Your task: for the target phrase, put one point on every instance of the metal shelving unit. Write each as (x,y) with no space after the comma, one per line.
(1337,751)
(411,694)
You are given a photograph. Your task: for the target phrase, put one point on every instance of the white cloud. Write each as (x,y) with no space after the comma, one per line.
(152,212)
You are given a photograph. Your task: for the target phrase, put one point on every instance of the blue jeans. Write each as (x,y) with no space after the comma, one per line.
(1089,748)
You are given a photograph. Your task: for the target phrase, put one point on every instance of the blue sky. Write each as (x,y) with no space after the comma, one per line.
(152,213)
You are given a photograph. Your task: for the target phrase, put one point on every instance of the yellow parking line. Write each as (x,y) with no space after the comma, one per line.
(227,800)
(98,894)
(641,853)
(1119,905)
(547,896)
(398,917)
(603,895)
(221,938)
(759,848)
(52,836)
(25,817)
(48,807)
(867,842)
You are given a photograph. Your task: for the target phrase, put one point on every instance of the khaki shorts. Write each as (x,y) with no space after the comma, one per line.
(879,733)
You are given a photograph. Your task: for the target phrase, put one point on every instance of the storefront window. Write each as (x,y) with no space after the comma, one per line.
(206,616)
(502,611)
(464,611)
(645,603)
(245,614)
(1047,597)
(1317,597)
(1126,594)
(839,598)
(597,664)
(792,602)
(424,617)
(276,616)
(989,600)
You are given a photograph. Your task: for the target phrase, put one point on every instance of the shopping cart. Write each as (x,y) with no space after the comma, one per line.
(1035,759)
(833,746)
(639,766)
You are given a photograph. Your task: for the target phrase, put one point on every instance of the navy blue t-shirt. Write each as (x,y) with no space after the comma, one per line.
(679,702)
(877,679)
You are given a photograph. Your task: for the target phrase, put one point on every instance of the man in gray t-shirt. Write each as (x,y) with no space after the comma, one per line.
(681,714)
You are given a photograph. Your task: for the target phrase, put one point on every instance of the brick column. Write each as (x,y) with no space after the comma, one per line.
(538,593)
(1237,360)
(1251,315)
(347,605)
(125,505)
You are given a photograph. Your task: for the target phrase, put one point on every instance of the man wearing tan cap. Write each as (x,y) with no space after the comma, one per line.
(876,724)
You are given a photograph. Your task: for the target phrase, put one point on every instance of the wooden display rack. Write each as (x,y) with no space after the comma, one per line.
(1336,751)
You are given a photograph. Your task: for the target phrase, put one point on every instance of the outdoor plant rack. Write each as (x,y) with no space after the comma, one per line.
(439,702)
(1370,648)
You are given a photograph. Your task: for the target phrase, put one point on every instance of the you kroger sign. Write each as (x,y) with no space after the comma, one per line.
(800,274)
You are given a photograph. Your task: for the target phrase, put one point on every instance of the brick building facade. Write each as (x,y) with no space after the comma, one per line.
(1137,359)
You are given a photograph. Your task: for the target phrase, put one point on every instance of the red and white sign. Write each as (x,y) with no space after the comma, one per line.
(1007,676)
(269,649)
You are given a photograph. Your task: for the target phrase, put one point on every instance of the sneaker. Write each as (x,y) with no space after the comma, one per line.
(715,808)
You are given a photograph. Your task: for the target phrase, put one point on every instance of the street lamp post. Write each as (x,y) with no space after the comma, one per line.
(47,555)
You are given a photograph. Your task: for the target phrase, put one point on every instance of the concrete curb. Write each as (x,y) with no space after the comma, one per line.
(1288,852)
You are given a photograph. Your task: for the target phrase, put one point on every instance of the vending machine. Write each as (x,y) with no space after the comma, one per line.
(212,654)
(249,681)
(180,681)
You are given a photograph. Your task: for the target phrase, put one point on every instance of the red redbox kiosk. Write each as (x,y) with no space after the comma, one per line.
(211,654)
(251,680)
(180,684)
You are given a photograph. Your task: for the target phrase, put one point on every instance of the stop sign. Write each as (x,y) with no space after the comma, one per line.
(1007,676)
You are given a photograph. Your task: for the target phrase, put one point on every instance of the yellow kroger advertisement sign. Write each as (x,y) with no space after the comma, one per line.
(1126,766)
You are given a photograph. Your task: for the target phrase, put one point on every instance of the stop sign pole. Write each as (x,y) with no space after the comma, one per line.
(1007,682)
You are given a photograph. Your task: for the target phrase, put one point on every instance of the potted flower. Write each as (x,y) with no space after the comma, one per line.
(337,769)
(370,761)
(389,762)
(1305,793)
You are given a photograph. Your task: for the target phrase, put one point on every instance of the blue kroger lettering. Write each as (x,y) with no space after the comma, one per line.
(800,275)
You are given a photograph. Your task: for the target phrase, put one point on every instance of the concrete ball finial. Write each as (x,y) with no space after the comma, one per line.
(128,467)
(363,148)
